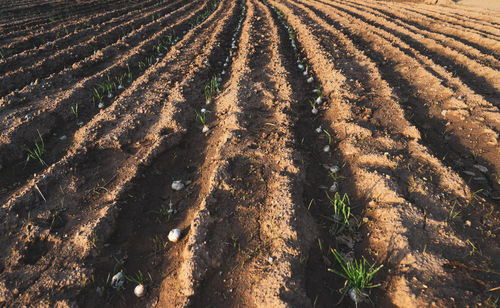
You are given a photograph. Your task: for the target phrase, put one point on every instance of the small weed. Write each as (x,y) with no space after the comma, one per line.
(358,277)
(37,152)
(453,215)
(74,111)
(159,244)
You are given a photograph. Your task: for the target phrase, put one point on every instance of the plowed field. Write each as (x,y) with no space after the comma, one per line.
(275,135)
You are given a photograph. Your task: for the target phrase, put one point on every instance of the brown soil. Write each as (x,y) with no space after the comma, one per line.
(410,113)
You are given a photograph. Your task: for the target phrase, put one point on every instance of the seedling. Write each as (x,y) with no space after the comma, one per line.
(453,215)
(358,277)
(141,65)
(341,213)
(211,89)
(119,81)
(166,213)
(74,111)
(139,278)
(128,74)
(150,60)
(329,136)
(202,116)
(4,53)
(313,105)
(96,96)
(37,152)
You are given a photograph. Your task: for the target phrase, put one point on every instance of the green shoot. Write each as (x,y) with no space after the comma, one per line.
(202,117)
(358,276)
(341,213)
(329,136)
(37,152)
(129,74)
(212,89)
(74,111)
(97,96)
(139,278)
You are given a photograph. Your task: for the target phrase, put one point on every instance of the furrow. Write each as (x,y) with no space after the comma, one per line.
(473,45)
(484,80)
(43,66)
(237,229)
(52,21)
(20,26)
(467,14)
(446,93)
(46,112)
(463,34)
(407,190)
(43,44)
(121,162)
(453,21)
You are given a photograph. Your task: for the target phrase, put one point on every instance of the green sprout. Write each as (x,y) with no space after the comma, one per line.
(211,89)
(74,111)
(358,277)
(96,96)
(37,152)
(139,278)
(341,213)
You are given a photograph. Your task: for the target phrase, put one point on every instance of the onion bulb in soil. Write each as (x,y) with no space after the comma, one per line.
(139,290)
(314,110)
(117,281)
(177,185)
(326,148)
(205,129)
(174,235)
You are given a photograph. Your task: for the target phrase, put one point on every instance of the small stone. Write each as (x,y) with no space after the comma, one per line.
(270,259)
(100,106)
(177,185)
(469,173)
(481,168)
(326,148)
(443,112)
(62,138)
(468,223)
